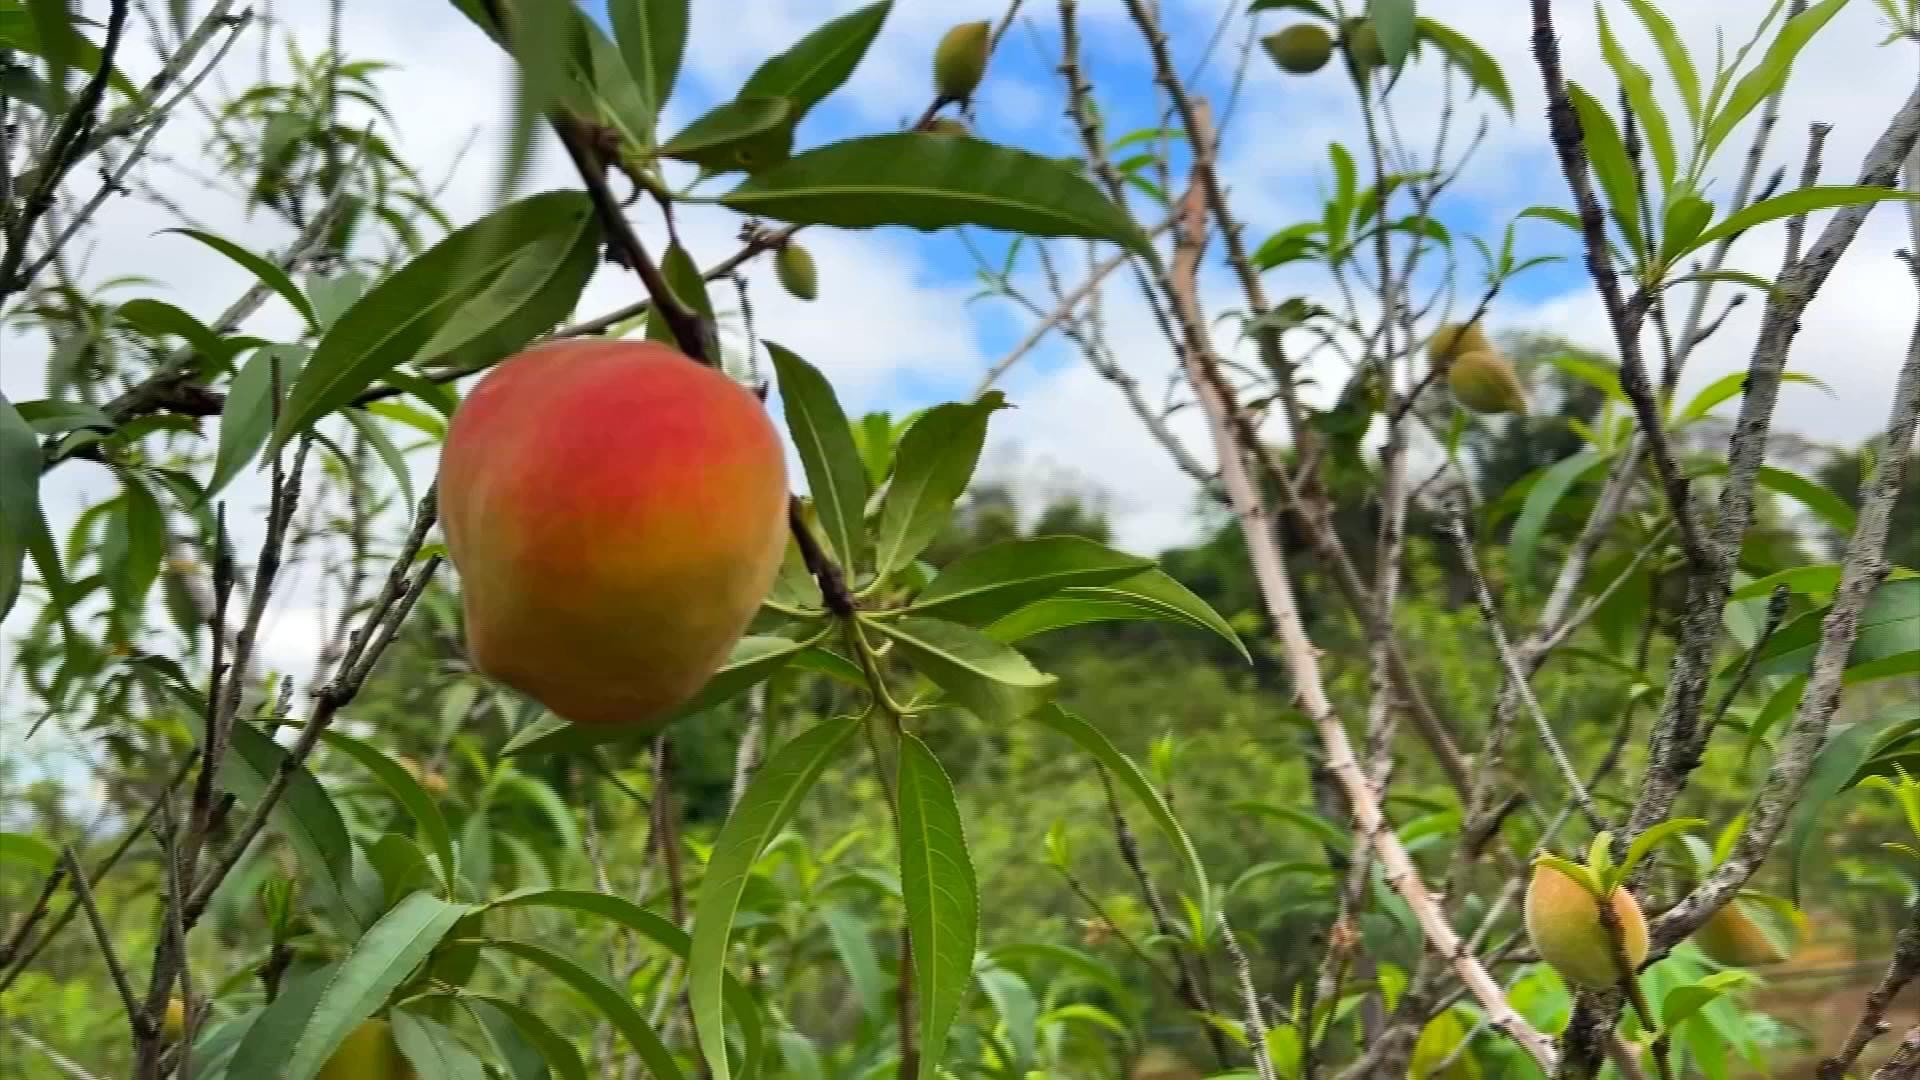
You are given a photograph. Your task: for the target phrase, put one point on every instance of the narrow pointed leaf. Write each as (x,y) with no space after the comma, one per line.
(19,499)
(269,273)
(928,181)
(931,469)
(819,63)
(612,1003)
(985,585)
(653,38)
(941,896)
(985,677)
(836,478)
(767,805)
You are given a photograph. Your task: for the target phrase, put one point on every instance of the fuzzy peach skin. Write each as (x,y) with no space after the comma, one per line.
(1564,923)
(617,512)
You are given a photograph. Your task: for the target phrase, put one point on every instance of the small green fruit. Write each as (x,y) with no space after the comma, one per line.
(1485,382)
(368,1053)
(1300,49)
(1454,340)
(173,1024)
(1563,922)
(794,267)
(1363,45)
(960,61)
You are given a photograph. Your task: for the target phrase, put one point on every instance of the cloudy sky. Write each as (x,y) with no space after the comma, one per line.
(895,326)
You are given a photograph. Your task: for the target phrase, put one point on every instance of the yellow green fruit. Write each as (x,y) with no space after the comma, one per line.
(1363,45)
(1563,922)
(368,1053)
(1734,937)
(1300,49)
(793,265)
(1159,1063)
(173,1023)
(1486,383)
(617,512)
(1456,339)
(960,61)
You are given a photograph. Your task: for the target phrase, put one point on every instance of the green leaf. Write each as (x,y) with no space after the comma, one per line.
(433,1050)
(1481,69)
(835,476)
(1324,832)
(985,677)
(662,932)
(384,448)
(1674,52)
(1830,507)
(562,1059)
(1729,386)
(1607,153)
(478,295)
(1638,87)
(746,133)
(247,417)
(1833,769)
(269,274)
(1153,595)
(941,897)
(613,1004)
(1123,769)
(799,1056)
(420,806)
(144,536)
(1795,202)
(764,809)
(930,181)
(379,962)
(268,1036)
(1664,832)
(19,499)
(853,942)
(931,469)
(1889,627)
(690,286)
(1598,374)
(818,63)
(1769,75)
(754,659)
(1395,25)
(653,38)
(157,319)
(1019,1012)
(1800,580)
(982,586)
(52,417)
(1687,216)
(1683,1002)
(305,816)
(31,852)
(1542,500)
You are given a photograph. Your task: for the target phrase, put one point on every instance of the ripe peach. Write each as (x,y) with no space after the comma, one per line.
(1564,923)
(1735,938)
(617,512)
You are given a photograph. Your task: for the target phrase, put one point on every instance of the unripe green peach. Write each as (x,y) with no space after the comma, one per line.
(1563,921)
(960,60)
(1454,340)
(1735,938)
(617,512)
(1362,42)
(368,1053)
(793,265)
(1486,383)
(1300,49)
